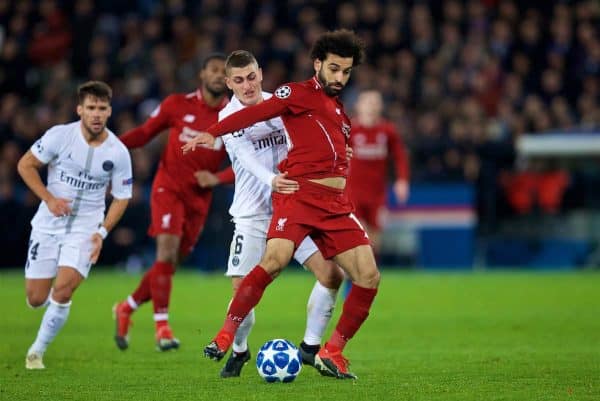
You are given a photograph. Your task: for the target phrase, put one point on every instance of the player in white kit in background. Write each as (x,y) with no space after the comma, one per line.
(254,156)
(83,159)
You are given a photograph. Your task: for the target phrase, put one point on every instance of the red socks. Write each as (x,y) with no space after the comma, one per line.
(355,312)
(155,285)
(160,286)
(246,297)
(142,294)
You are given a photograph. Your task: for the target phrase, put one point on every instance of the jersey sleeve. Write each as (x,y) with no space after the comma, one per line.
(159,120)
(247,116)
(294,96)
(48,146)
(242,148)
(122,178)
(226,176)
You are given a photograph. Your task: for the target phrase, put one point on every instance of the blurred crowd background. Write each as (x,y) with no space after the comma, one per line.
(462,80)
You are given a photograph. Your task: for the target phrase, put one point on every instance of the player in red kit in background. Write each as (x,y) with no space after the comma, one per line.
(374,140)
(318,131)
(179,206)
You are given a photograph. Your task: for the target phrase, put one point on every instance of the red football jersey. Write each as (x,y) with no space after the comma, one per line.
(178,112)
(317,126)
(372,147)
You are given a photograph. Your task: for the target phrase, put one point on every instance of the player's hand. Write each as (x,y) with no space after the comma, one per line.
(59,207)
(283,185)
(96,247)
(206,179)
(349,152)
(201,139)
(401,190)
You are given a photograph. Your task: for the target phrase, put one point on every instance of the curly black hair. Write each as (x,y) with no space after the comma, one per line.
(341,42)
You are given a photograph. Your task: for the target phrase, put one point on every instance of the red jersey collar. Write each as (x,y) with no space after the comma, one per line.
(319,86)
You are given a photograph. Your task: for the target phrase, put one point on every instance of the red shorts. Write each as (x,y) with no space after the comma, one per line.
(323,213)
(174,213)
(369,212)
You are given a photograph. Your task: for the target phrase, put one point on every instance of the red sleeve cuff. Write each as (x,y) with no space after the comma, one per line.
(226,176)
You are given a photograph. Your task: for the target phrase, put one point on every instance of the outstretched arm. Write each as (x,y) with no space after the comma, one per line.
(265,110)
(207,179)
(157,122)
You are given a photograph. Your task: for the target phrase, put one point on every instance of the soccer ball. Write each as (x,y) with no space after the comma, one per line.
(278,360)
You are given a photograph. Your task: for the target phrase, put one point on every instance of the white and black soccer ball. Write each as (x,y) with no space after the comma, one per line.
(278,360)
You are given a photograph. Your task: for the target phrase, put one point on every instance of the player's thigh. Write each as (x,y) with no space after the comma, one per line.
(193,224)
(277,255)
(167,213)
(67,281)
(37,290)
(359,263)
(167,248)
(245,252)
(75,252)
(326,272)
(42,256)
(305,250)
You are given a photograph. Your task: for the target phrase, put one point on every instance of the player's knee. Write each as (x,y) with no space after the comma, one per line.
(167,256)
(332,279)
(273,262)
(272,267)
(36,300)
(372,278)
(62,294)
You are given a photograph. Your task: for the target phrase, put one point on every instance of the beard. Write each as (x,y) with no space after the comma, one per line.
(328,87)
(216,90)
(90,130)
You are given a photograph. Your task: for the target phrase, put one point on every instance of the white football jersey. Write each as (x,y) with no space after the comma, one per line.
(255,152)
(81,173)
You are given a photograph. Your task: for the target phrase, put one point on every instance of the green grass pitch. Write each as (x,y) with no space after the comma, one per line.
(430,336)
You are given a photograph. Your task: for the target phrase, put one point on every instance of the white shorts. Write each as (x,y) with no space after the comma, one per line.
(49,251)
(249,244)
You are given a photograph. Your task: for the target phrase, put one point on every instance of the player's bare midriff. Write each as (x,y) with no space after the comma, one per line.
(334,182)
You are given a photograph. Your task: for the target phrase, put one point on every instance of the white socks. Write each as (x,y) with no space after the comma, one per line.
(318,313)
(240,341)
(54,319)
